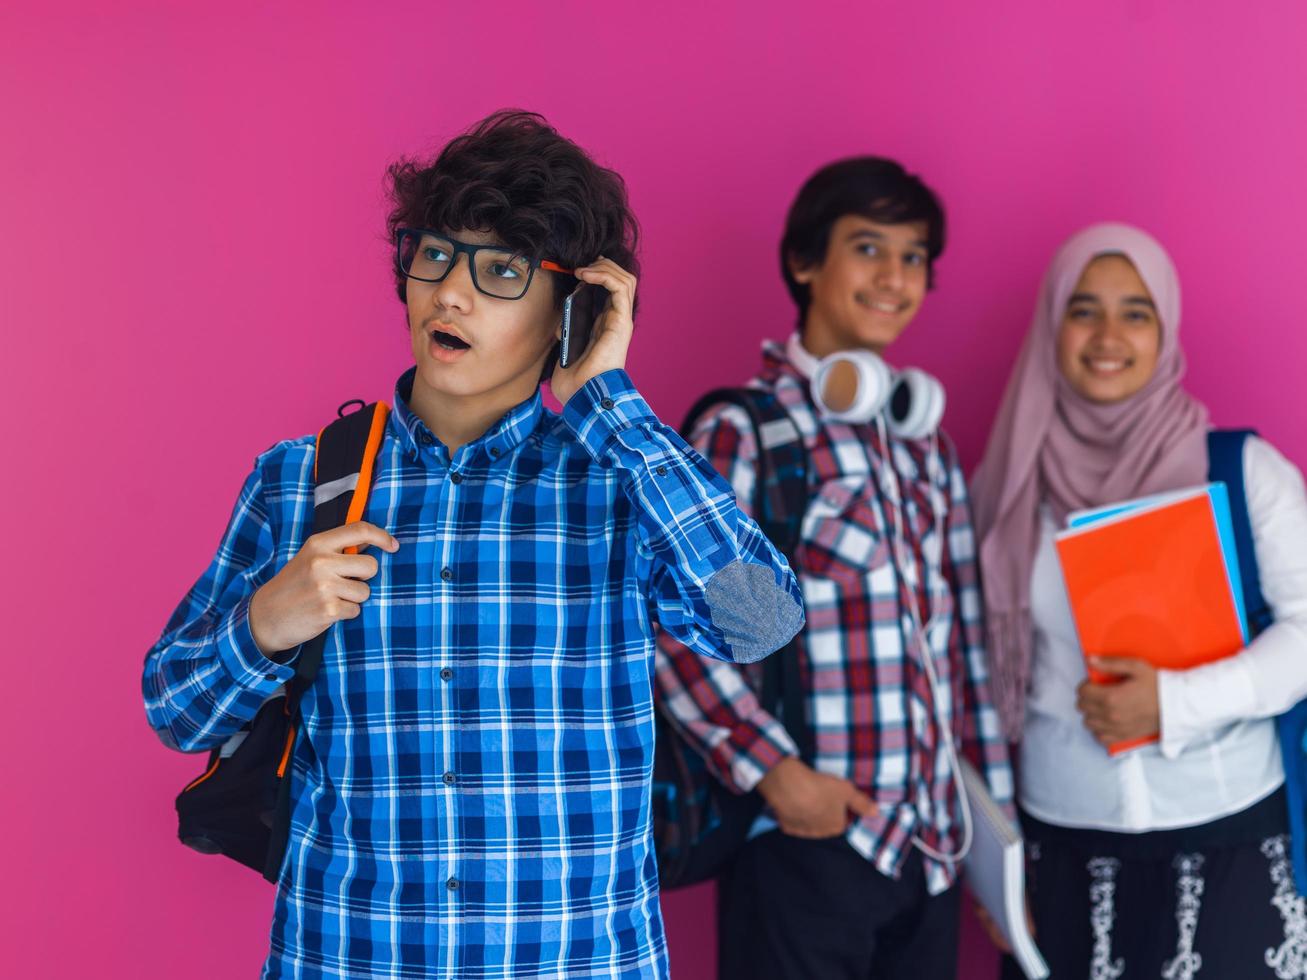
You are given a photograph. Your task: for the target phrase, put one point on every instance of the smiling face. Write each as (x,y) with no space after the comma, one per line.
(478,349)
(1110,338)
(868,287)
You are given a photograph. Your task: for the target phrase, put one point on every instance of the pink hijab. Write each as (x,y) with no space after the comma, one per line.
(1050,445)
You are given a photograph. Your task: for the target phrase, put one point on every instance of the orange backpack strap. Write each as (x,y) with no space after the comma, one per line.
(342,466)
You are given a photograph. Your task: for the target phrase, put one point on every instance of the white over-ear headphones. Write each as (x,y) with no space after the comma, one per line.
(856,386)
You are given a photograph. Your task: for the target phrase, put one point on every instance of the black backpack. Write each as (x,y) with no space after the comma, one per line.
(240,807)
(699,824)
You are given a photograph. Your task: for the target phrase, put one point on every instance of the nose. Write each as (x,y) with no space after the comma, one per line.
(1109,328)
(454,292)
(889,272)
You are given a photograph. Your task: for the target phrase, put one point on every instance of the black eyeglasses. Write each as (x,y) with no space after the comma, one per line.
(429,256)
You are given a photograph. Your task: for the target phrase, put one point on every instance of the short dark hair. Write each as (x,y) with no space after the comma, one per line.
(873,187)
(514,175)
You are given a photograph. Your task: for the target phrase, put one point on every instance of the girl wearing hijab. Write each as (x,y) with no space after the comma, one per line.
(1171,860)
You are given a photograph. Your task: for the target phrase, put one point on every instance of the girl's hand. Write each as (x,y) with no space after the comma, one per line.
(1125,710)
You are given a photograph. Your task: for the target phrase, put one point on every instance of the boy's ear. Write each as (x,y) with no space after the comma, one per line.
(803,272)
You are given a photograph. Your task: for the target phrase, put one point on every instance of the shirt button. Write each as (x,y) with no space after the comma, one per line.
(449,778)
(269,677)
(455,478)
(496,452)
(452,884)
(426,439)
(607,403)
(661,471)
(447,574)
(446,674)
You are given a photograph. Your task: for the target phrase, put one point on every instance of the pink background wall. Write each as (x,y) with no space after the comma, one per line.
(191,267)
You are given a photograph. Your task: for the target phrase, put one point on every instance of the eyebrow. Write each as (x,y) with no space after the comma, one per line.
(1093,298)
(868,233)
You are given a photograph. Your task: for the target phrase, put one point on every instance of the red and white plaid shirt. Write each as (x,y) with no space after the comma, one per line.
(868,697)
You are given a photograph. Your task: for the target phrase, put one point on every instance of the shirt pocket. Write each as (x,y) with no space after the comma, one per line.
(843,538)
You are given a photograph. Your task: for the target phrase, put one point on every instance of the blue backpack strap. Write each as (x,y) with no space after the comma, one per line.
(1225,448)
(780,499)
(1225,452)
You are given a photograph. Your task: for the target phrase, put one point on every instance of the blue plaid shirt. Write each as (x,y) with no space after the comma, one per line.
(472,791)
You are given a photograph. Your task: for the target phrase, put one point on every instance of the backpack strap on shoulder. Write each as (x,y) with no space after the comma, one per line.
(780,495)
(343,461)
(344,458)
(1225,451)
(780,500)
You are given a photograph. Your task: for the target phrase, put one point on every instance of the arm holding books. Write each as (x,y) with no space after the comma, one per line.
(1270,675)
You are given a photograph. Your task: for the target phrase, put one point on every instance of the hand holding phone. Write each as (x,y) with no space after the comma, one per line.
(595,334)
(581,309)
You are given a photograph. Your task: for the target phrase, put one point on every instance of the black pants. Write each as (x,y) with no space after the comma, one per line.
(1212,902)
(794,909)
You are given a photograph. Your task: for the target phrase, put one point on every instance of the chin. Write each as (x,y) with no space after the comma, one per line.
(440,377)
(1106,395)
(878,335)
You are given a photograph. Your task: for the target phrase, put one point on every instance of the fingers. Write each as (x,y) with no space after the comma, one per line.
(1105,731)
(1100,726)
(620,284)
(361,567)
(327,567)
(860,803)
(352,591)
(323,584)
(815,831)
(1096,699)
(360,534)
(1094,702)
(806,831)
(1120,666)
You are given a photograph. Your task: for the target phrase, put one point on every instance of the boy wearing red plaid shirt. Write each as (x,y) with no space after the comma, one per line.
(851,871)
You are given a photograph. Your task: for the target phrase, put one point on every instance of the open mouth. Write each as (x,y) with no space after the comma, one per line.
(448,341)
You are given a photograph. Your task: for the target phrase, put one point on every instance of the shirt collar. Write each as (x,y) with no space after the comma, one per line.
(495,444)
(790,360)
(800,357)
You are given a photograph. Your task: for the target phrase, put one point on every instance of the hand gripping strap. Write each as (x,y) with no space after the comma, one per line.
(342,473)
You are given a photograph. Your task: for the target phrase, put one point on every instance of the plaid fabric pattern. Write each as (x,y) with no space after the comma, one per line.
(868,696)
(471,794)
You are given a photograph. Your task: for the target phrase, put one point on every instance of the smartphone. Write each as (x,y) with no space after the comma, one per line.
(580,311)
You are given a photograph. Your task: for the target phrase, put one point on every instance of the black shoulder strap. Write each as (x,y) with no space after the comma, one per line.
(342,479)
(780,499)
(780,493)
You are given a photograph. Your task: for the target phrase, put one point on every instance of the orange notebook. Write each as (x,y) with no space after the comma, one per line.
(1155,579)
